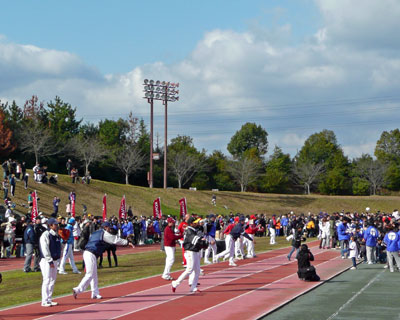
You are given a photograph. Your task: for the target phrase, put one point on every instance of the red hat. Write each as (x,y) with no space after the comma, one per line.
(170,220)
(252,216)
(236,219)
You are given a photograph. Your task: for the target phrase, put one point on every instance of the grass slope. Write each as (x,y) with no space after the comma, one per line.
(141,199)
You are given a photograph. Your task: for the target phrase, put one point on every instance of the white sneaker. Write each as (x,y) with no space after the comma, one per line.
(77,271)
(53,303)
(370,262)
(62,272)
(385,266)
(249,256)
(46,304)
(207,262)
(232,264)
(97,297)
(353,268)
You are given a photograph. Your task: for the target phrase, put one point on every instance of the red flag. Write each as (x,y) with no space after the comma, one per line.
(157,208)
(183,207)
(104,207)
(35,209)
(122,209)
(72,198)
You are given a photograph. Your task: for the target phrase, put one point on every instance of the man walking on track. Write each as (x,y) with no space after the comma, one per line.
(192,244)
(50,253)
(169,247)
(95,247)
(211,228)
(182,227)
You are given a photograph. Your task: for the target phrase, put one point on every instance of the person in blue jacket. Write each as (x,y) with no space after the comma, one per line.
(31,241)
(371,237)
(95,247)
(343,232)
(392,240)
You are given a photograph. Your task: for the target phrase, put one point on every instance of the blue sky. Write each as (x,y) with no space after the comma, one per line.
(116,36)
(294,67)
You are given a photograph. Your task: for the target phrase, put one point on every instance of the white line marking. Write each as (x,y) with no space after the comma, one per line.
(243,294)
(219,284)
(356,295)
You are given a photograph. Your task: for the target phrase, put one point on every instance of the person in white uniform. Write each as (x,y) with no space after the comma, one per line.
(50,253)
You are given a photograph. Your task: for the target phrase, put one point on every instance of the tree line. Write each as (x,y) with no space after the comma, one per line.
(118,151)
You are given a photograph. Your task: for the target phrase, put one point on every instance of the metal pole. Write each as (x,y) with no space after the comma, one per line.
(151,143)
(165,137)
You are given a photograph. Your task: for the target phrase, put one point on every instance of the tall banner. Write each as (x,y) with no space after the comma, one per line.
(183,207)
(104,207)
(35,209)
(72,198)
(157,208)
(122,209)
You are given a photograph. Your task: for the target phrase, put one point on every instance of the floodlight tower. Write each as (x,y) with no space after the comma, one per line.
(165,91)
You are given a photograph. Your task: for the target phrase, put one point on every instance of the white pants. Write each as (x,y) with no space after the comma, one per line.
(229,250)
(68,253)
(49,279)
(90,276)
(211,247)
(272,234)
(239,248)
(192,266)
(250,245)
(169,260)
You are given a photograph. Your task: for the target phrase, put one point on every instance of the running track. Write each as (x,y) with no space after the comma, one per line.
(254,288)
(18,263)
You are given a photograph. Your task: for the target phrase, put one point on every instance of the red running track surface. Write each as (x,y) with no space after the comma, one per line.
(227,292)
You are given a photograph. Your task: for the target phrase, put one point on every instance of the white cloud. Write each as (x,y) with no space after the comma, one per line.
(241,75)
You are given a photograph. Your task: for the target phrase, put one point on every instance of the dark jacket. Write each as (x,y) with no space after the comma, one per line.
(192,241)
(30,236)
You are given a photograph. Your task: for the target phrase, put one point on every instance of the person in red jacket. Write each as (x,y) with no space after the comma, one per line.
(251,230)
(182,226)
(229,245)
(169,246)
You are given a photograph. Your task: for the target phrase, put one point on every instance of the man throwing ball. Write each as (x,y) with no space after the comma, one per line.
(95,247)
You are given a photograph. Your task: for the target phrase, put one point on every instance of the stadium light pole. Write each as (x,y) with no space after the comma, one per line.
(167,92)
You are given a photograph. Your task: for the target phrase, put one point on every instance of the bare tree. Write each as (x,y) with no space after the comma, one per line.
(88,150)
(36,139)
(306,173)
(373,171)
(244,171)
(129,160)
(185,165)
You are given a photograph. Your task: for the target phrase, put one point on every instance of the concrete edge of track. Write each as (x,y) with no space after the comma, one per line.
(320,283)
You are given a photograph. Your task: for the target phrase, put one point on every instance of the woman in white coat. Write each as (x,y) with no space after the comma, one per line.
(325,233)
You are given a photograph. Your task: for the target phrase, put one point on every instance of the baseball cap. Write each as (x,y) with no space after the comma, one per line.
(252,216)
(106,224)
(197,220)
(191,220)
(242,218)
(170,220)
(236,219)
(71,220)
(211,215)
(52,221)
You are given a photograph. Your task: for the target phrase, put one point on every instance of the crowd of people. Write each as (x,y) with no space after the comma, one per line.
(50,241)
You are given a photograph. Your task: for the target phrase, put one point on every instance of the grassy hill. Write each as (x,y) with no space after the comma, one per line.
(141,200)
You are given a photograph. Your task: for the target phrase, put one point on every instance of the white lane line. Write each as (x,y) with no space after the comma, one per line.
(260,288)
(133,294)
(356,295)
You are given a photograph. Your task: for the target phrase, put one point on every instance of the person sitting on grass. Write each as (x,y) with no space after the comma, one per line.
(306,271)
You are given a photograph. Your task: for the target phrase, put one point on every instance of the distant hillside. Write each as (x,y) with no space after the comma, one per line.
(141,200)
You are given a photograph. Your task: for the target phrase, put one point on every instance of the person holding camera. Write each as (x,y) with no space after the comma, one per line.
(306,271)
